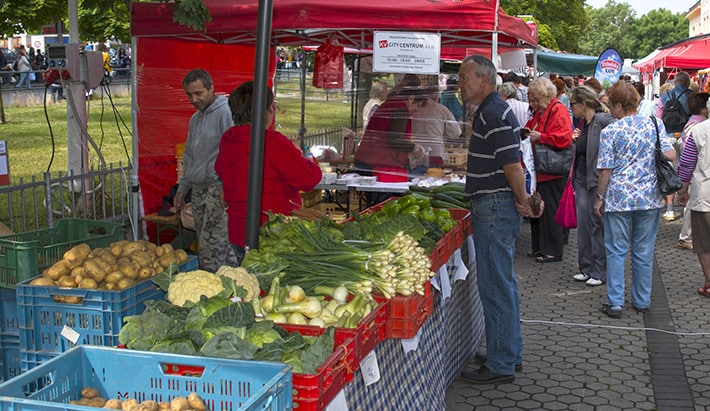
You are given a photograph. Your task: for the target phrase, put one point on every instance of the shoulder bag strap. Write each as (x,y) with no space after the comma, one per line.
(549,113)
(655,124)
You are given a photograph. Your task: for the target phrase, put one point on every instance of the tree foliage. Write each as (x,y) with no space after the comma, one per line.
(99,20)
(655,29)
(609,26)
(564,20)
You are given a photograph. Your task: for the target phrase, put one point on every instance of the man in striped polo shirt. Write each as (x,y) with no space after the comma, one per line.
(496,186)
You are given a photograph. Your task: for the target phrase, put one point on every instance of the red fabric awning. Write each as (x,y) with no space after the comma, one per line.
(691,53)
(462,23)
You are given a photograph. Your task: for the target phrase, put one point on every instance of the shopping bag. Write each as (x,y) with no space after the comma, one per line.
(566,215)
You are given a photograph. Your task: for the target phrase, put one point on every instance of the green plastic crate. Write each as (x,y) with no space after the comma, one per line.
(25,255)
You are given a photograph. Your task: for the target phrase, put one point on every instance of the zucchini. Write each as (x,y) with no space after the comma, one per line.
(458,187)
(444,204)
(449,199)
(418,189)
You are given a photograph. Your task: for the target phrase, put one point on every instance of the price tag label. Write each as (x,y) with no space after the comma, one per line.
(369,369)
(461,269)
(411,344)
(339,403)
(445,283)
(70,334)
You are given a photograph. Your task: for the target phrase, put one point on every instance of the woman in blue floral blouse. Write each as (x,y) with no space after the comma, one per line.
(629,197)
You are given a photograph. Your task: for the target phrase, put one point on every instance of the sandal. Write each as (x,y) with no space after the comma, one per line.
(704,290)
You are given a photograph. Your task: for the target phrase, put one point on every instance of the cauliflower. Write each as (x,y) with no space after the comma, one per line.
(243,279)
(189,286)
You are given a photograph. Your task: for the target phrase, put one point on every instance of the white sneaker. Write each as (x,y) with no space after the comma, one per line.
(580,277)
(594,282)
(669,215)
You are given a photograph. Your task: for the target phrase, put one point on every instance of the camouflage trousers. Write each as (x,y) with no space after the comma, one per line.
(211,229)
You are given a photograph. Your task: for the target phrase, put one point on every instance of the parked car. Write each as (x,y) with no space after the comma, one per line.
(9,55)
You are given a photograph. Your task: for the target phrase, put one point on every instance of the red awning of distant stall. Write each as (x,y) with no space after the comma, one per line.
(691,53)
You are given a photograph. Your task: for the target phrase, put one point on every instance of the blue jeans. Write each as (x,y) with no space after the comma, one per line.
(24,78)
(637,229)
(496,225)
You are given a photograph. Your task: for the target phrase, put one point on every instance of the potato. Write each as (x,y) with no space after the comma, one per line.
(89,283)
(113,404)
(179,404)
(181,255)
(145,272)
(94,270)
(72,299)
(84,401)
(76,255)
(149,405)
(108,257)
(105,265)
(130,270)
(128,404)
(46,281)
(157,267)
(125,282)
(66,281)
(196,402)
(89,392)
(142,258)
(110,286)
(164,406)
(130,248)
(97,402)
(167,259)
(114,277)
(58,298)
(117,248)
(58,269)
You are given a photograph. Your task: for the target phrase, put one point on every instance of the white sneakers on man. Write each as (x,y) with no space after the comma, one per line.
(669,215)
(593,282)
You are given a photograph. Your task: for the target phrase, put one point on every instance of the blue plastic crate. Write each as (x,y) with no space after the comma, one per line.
(45,324)
(8,313)
(116,373)
(11,364)
(191,264)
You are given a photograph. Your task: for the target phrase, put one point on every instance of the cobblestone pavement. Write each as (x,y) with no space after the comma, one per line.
(576,358)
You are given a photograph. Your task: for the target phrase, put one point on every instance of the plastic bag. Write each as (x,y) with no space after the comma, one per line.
(328,66)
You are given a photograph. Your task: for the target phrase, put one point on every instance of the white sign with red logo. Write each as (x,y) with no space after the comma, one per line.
(406,52)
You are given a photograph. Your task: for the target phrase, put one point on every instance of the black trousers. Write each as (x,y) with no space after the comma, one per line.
(548,237)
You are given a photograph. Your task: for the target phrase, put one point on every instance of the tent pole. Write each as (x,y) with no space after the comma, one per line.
(302,129)
(494,46)
(256,158)
(135,214)
(535,72)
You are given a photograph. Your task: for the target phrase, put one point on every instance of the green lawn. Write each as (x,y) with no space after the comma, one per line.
(30,142)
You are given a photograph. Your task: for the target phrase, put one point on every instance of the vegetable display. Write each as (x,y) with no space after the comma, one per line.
(376,252)
(219,327)
(116,267)
(449,195)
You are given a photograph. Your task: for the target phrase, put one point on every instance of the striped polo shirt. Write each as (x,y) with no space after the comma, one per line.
(495,142)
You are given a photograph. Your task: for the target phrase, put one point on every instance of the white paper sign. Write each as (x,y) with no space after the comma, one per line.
(339,403)
(70,334)
(369,369)
(461,269)
(411,344)
(445,283)
(3,147)
(471,251)
(406,52)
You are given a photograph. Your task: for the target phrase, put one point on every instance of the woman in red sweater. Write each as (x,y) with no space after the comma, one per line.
(286,170)
(550,125)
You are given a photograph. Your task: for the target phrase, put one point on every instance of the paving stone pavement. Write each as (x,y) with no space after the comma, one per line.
(576,358)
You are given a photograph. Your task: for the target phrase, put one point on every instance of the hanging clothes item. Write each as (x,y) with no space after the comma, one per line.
(328,65)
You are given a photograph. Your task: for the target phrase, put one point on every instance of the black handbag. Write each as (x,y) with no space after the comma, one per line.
(552,160)
(668,180)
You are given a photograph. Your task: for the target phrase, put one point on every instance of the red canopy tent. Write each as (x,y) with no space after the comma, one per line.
(164,51)
(691,53)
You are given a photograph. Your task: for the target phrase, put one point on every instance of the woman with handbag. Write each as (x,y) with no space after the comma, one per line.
(550,132)
(629,195)
(590,228)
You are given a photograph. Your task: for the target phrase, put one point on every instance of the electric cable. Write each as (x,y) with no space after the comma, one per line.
(51,132)
(616,327)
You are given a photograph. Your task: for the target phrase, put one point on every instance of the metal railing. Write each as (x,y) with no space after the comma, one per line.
(96,195)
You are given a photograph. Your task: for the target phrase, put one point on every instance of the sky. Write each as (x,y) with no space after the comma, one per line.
(644,6)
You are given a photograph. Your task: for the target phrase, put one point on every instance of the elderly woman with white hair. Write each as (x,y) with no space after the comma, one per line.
(550,125)
(521,109)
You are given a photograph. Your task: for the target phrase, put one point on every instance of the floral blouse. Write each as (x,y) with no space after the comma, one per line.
(627,147)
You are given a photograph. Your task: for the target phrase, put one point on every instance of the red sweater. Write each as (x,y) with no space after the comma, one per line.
(555,127)
(286,172)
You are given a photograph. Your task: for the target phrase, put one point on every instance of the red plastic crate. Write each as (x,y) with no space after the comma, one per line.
(405,315)
(464,219)
(369,332)
(313,392)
